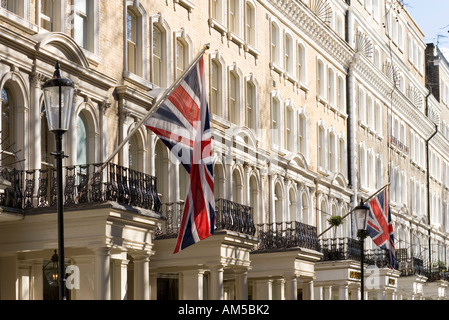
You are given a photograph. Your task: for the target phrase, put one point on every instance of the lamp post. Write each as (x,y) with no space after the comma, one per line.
(58,96)
(361,212)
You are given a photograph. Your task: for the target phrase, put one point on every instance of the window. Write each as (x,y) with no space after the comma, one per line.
(275,44)
(362,110)
(181,57)
(301,63)
(131,41)
(233,102)
(157,57)
(341,94)
(234,16)
(322,141)
(342,156)
(331,86)
(80,22)
(8,135)
(370,111)
(288,54)
(275,119)
(320,78)
(378,118)
(362,166)
(302,133)
(217,10)
(332,151)
(161,51)
(289,128)
(81,141)
(217,81)
(250,29)
(251,105)
(46,14)
(214,87)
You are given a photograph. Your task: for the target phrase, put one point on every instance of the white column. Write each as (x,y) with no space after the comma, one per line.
(35,122)
(307,289)
(216,283)
(343,292)
(327,293)
(102,274)
(279,289)
(86,265)
(141,277)
(192,285)
(263,289)
(291,288)
(241,284)
(120,278)
(318,293)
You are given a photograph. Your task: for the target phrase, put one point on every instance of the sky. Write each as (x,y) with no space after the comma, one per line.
(432,16)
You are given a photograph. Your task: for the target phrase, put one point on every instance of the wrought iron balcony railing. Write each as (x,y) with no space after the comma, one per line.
(38,188)
(285,235)
(229,216)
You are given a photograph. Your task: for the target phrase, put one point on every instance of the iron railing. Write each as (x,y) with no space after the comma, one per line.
(82,184)
(229,216)
(285,235)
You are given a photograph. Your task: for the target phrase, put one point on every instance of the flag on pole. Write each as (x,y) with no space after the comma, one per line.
(182,123)
(379,224)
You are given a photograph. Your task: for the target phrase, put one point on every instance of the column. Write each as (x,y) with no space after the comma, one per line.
(263,289)
(120,278)
(307,289)
(241,284)
(279,289)
(35,121)
(102,287)
(327,293)
(216,283)
(291,288)
(343,293)
(141,277)
(192,285)
(318,293)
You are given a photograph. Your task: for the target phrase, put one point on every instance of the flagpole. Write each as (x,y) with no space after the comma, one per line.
(153,108)
(367,200)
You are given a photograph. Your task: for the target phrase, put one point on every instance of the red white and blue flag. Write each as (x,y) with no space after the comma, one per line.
(379,224)
(182,123)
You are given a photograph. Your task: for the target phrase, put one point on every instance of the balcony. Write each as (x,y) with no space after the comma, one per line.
(33,189)
(285,235)
(335,249)
(229,216)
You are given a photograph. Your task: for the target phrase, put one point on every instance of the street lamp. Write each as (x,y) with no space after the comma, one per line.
(58,96)
(361,213)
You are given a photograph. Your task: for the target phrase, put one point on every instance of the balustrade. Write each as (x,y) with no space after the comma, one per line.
(82,184)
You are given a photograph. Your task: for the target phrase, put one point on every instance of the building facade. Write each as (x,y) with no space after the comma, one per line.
(315,105)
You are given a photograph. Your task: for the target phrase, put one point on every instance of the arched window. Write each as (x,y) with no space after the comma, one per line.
(332,151)
(322,146)
(278,203)
(237,187)
(362,108)
(254,200)
(305,209)
(181,57)
(292,205)
(8,125)
(132,41)
(162,171)
(81,141)
(341,94)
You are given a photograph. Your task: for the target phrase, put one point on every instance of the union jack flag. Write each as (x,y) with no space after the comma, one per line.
(379,224)
(182,123)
